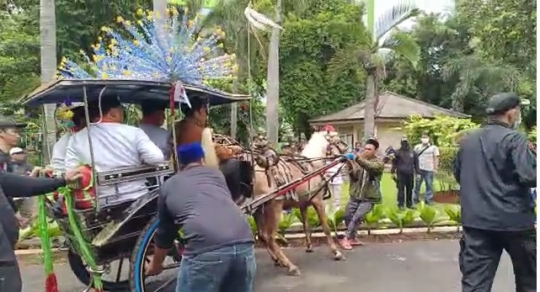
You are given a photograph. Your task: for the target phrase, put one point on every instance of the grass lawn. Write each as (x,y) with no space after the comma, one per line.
(388,190)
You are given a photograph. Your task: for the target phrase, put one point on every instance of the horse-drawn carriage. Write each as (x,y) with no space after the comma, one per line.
(112,232)
(169,66)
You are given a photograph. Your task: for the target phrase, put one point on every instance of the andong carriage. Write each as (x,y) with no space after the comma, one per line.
(111,234)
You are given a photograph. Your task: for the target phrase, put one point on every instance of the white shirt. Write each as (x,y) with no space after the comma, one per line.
(338,179)
(59,153)
(426,159)
(159,136)
(115,146)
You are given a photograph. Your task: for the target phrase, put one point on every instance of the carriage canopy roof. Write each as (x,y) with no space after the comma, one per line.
(128,91)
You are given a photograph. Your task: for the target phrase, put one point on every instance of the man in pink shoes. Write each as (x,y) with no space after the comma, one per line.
(365,172)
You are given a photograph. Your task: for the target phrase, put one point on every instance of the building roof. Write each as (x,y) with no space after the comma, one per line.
(391,106)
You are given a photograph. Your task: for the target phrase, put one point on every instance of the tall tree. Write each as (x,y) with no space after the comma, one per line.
(385,38)
(47,27)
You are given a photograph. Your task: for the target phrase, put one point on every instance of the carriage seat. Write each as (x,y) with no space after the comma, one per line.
(154,175)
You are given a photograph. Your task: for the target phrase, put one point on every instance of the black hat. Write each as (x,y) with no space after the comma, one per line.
(6,123)
(373,141)
(502,102)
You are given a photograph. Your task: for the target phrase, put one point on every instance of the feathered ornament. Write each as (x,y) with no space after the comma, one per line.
(260,21)
(178,51)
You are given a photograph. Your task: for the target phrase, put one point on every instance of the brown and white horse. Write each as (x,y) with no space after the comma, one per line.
(268,179)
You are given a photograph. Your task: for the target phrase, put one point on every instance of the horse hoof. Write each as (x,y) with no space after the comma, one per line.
(294,271)
(309,249)
(338,256)
(277,263)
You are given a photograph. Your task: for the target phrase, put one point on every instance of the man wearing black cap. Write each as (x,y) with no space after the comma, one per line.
(495,169)
(404,168)
(219,253)
(9,137)
(151,123)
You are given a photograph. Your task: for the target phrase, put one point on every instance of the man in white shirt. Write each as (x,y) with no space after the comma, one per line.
(428,159)
(153,118)
(77,123)
(115,146)
(335,187)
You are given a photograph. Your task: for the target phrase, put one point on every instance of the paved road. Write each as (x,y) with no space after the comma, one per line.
(421,266)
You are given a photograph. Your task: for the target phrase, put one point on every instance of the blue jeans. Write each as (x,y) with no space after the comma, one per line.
(426,176)
(228,269)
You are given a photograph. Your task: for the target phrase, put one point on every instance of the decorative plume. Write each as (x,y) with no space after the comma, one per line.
(178,51)
(260,21)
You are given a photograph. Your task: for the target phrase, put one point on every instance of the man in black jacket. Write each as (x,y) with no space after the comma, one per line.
(496,170)
(405,164)
(12,186)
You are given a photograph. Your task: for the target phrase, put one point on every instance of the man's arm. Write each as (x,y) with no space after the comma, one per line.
(353,170)
(395,162)
(16,186)
(436,155)
(457,166)
(523,158)
(375,167)
(166,231)
(416,162)
(149,152)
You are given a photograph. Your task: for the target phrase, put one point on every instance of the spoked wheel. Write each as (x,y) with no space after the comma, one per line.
(115,277)
(144,249)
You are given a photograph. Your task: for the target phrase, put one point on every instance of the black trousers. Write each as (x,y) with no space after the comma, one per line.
(10,278)
(405,189)
(480,253)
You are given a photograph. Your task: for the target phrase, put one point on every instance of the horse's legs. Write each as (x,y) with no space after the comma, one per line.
(307,232)
(263,234)
(317,203)
(272,221)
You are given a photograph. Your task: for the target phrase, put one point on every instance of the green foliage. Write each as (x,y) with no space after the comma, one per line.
(252,224)
(428,214)
(401,218)
(311,217)
(287,220)
(453,212)
(532,134)
(335,219)
(307,45)
(442,130)
(374,217)
(446,158)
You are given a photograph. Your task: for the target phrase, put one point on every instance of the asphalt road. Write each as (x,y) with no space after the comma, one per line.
(420,266)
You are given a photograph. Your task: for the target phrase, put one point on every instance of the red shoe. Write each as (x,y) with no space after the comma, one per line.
(356,242)
(345,244)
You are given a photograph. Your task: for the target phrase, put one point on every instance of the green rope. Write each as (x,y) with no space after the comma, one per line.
(84,248)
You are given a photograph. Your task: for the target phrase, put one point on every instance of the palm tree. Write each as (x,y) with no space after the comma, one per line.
(386,39)
(47,28)
(482,77)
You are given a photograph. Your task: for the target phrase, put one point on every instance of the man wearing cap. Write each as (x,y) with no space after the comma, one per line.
(9,137)
(496,169)
(219,253)
(115,146)
(152,122)
(404,168)
(73,125)
(365,172)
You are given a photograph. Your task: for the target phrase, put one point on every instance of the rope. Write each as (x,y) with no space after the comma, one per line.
(51,284)
(84,249)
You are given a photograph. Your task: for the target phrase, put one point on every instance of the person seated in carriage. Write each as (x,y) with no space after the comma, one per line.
(153,117)
(73,119)
(193,128)
(115,145)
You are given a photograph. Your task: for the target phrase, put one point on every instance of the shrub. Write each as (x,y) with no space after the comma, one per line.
(443,130)
(372,218)
(401,218)
(429,215)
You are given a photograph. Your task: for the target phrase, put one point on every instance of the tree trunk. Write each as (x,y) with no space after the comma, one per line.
(47,29)
(272,79)
(369,109)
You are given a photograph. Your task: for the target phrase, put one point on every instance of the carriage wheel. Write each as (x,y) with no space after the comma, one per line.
(165,281)
(119,281)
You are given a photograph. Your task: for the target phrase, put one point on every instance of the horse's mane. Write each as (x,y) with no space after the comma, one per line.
(316,146)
